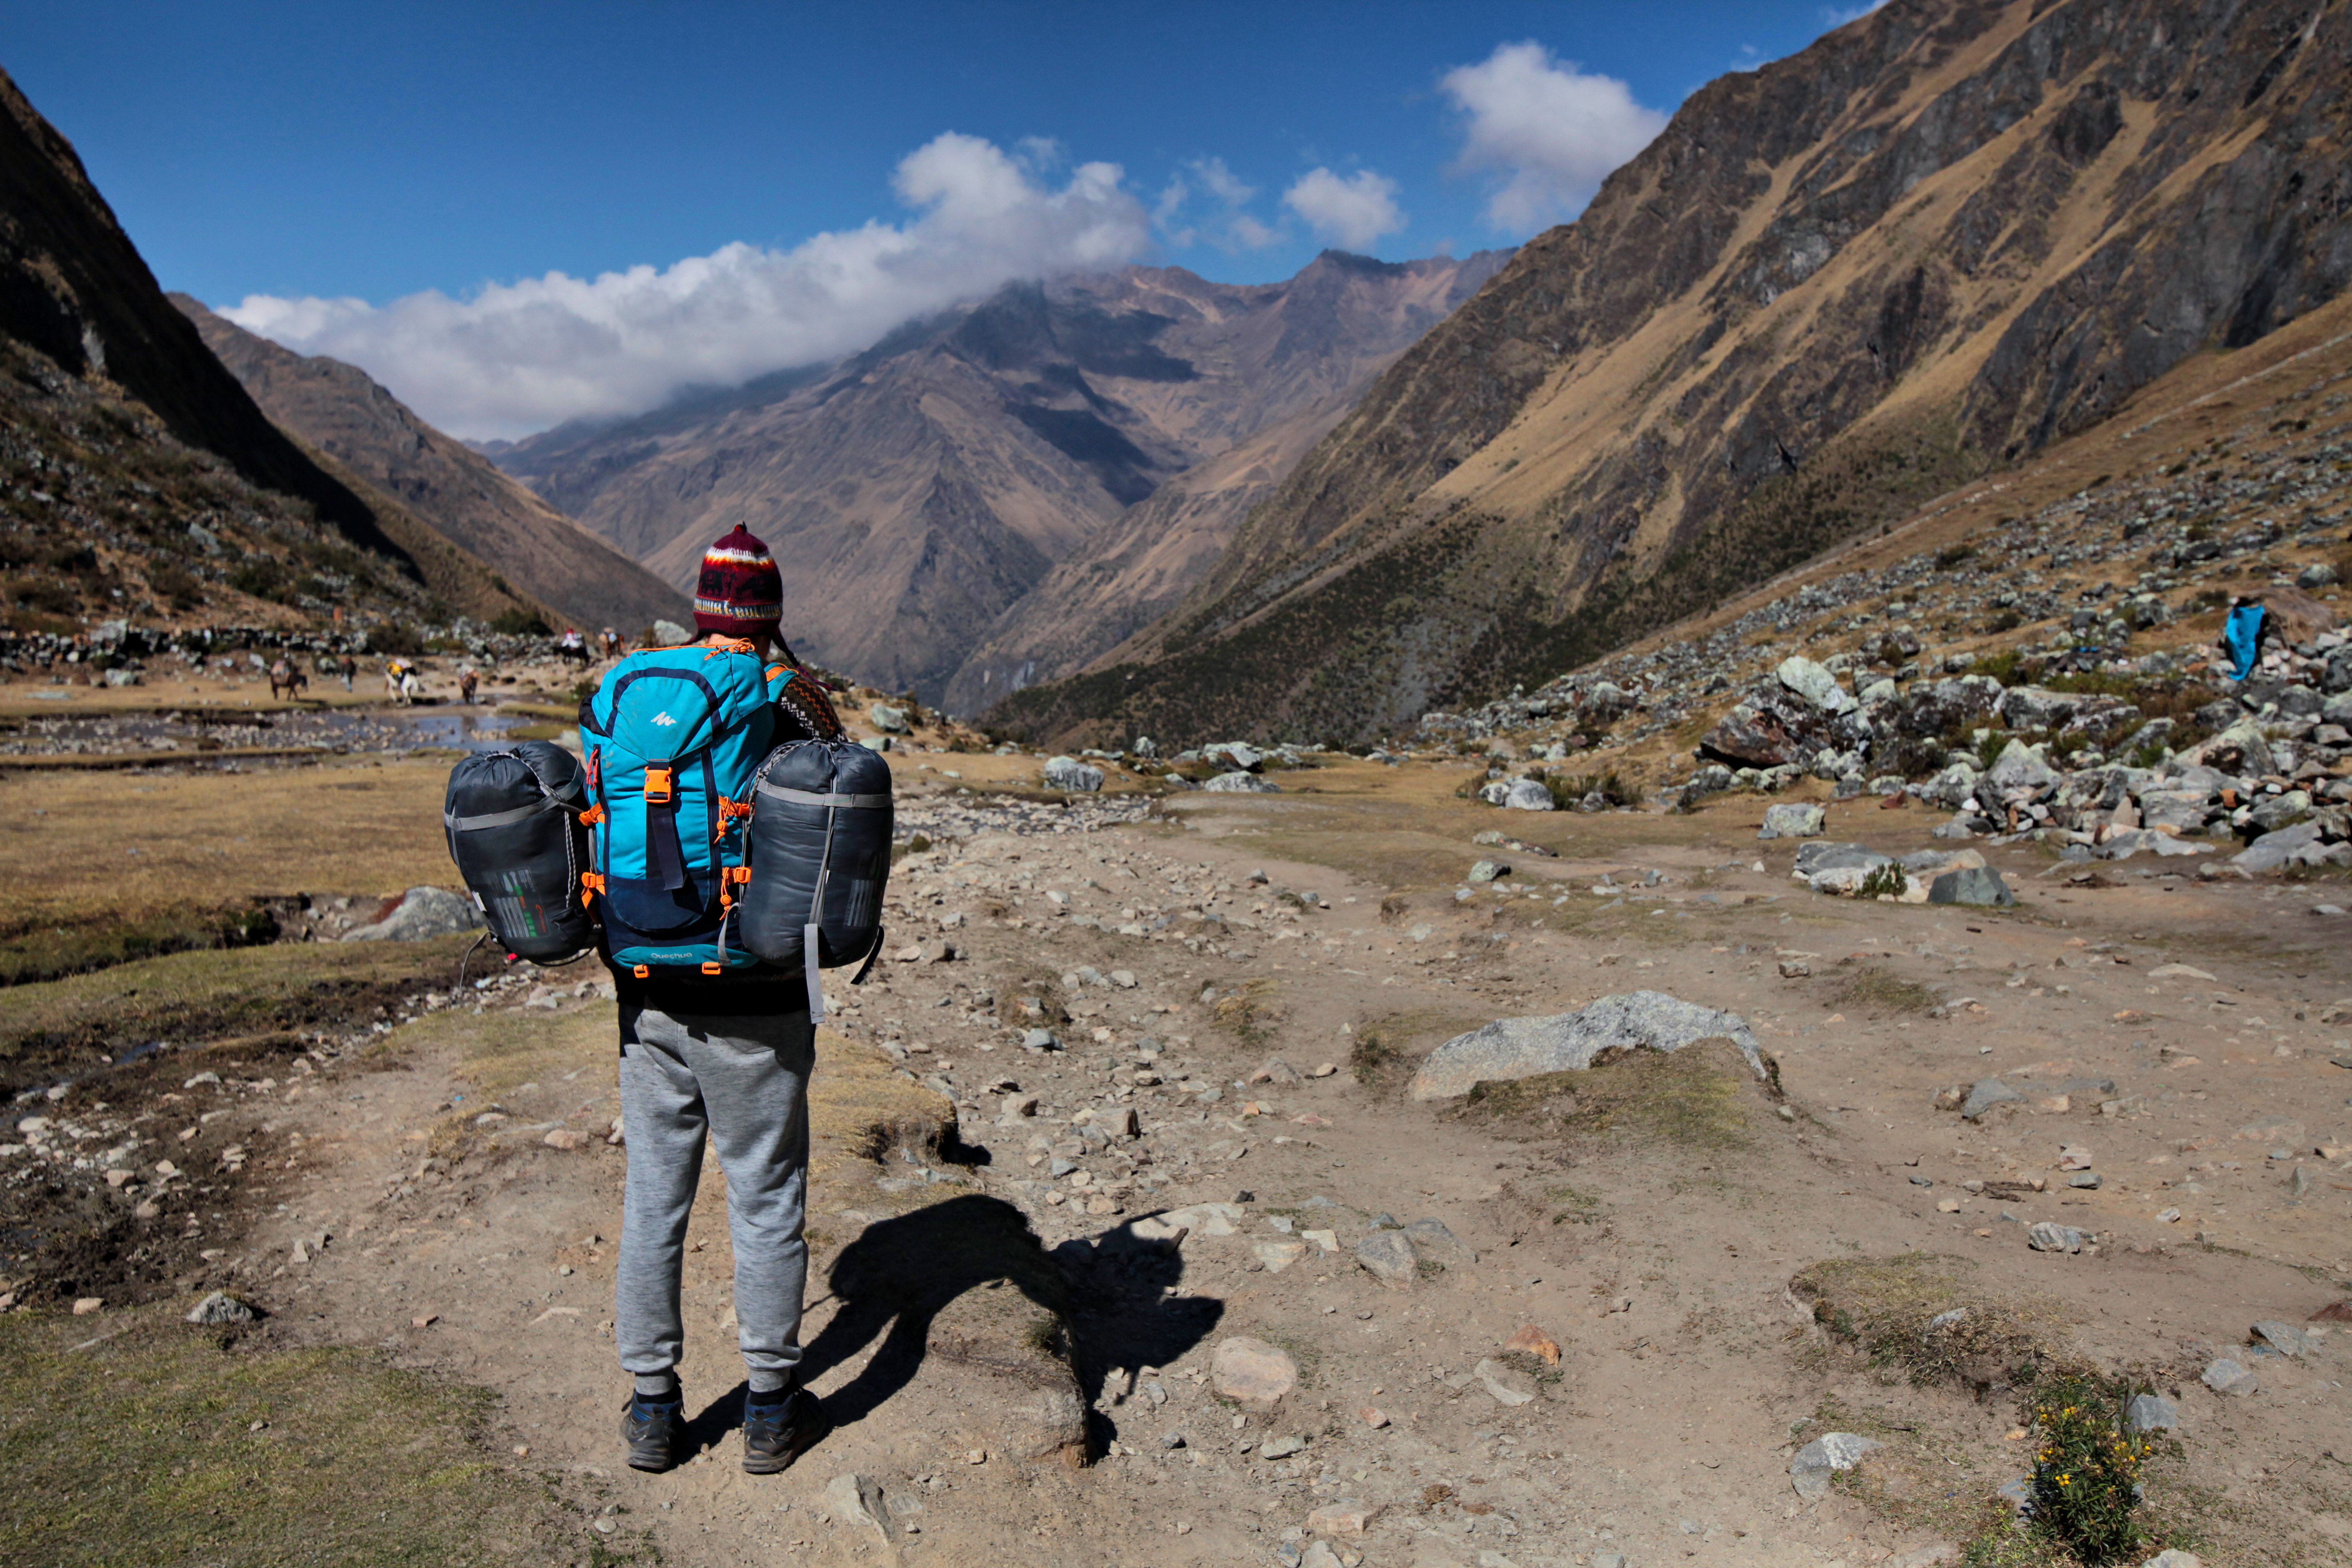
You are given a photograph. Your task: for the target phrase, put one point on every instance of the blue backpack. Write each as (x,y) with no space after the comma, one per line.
(674,736)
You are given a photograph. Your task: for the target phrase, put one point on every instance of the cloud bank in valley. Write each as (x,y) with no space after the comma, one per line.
(516,357)
(1550,131)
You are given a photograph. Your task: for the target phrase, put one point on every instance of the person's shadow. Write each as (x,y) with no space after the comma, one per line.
(1110,1294)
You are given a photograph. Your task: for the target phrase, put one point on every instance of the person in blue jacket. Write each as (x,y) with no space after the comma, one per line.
(2243,635)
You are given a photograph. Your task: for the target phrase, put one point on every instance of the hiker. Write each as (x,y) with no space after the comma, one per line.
(2243,635)
(572,649)
(350,669)
(724,1052)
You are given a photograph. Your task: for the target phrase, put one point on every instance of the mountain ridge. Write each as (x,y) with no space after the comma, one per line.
(1939,236)
(341,410)
(917,492)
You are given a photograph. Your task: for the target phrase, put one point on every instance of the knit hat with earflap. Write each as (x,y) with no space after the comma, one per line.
(741,591)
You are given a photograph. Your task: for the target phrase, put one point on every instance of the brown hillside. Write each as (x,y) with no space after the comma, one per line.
(1939,238)
(123,429)
(340,409)
(916,492)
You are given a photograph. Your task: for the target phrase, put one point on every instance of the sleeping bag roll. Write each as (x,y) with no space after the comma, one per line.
(513,821)
(820,852)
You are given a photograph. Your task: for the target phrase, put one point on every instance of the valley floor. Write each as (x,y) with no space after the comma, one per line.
(449,1196)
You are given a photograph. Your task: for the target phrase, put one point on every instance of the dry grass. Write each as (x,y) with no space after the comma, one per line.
(120,847)
(1701,1096)
(1387,1050)
(1888,1307)
(1875,990)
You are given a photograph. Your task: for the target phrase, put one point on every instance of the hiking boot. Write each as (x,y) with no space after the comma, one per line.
(650,1430)
(774,1435)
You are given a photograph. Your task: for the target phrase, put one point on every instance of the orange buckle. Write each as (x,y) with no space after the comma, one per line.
(591,884)
(642,971)
(659,785)
(714,968)
(727,810)
(591,817)
(780,670)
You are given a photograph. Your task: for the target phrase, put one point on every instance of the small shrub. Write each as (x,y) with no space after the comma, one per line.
(1952,555)
(519,622)
(2087,1472)
(1884,881)
(395,640)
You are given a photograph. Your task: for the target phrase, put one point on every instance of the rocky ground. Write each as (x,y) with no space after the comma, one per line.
(1133,1018)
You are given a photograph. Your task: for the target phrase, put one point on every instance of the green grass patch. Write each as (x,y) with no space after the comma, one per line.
(168,1445)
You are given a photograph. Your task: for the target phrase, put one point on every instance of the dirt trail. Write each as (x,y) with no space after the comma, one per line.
(1658,1254)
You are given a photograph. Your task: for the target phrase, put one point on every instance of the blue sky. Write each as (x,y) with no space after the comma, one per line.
(454,196)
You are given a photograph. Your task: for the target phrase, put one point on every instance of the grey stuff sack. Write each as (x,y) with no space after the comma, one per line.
(513,820)
(819,858)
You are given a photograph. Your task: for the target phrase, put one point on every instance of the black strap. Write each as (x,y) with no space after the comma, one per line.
(871,954)
(664,856)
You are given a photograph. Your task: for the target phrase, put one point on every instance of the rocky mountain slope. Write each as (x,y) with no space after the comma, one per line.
(341,410)
(917,492)
(1923,249)
(139,478)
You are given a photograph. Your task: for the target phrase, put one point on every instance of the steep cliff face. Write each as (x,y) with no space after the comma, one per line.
(920,491)
(122,427)
(340,410)
(1939,238)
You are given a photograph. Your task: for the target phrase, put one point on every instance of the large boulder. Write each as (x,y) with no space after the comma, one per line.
(1242,784)
(2034,707)
(892,720)
(1774,727)
(421,912)
(1815,684)
(1838,867)
(1068,772)
(1529,794)
(1521,1048)
(1788,819)
(2019,768)
(1980,885)
(2239,751)
(1933,708)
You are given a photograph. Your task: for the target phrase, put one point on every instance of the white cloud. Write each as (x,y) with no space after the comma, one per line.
(516,357)
(1835,16)
(1550,131)
(1227,226)
(1350,212)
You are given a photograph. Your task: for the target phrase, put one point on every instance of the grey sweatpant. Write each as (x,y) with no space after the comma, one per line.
(745,1081)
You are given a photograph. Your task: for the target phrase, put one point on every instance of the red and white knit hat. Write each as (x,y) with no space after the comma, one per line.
(741,591)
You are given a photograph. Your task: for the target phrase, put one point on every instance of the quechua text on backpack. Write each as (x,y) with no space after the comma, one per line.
(820,825)
(513,821)
(672,737)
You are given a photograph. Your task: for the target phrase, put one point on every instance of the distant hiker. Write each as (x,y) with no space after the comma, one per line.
(287,676)
(468,682)
(573,648)
(609,644)
(710,1050)
(351,669)
(2244,634)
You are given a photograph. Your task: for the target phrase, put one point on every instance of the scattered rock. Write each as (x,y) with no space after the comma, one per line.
(1527,794)
(220,1307)
(1278,1256)
(1815,684)
(1432,1242)
(1532,1341)
(2046,1237)
(1979,885)
(1987,1093)
(2285,1338)
(1280,1448)
(1068,772)
(1825,1455)
(423,912)
(856,1500)
(1488,870)
(1521,1048)
(2227,1376)
(2173,1557)
(892,720)
(564,1138)
(1509,1385)
(1342,1516)
(1789,820)
(2150,1413)
(1252,1374)
(85,1305)
(1388,1257)
(1243,784)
